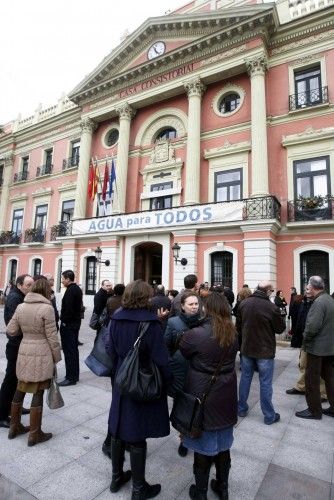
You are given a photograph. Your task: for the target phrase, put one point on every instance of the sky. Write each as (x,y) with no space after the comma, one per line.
(47,47)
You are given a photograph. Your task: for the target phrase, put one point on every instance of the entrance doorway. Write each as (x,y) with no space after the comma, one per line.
(222,269)
(314,263)
(148,263)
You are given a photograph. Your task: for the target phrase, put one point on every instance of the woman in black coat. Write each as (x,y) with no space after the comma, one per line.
(132,421)
(213,342)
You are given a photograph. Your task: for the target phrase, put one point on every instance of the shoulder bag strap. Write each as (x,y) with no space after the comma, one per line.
(142,329)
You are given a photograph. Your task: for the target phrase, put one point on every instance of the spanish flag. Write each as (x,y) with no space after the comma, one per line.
(93,179)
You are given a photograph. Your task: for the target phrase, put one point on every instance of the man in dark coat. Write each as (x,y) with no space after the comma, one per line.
(259,319)
(319,346)
(101,297)
(70,317)
(8,387)
(160,301)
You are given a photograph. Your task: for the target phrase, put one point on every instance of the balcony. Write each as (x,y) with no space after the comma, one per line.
(44,170)
(314,208)
(266,207)
(34,235)
(71,162)
(21,176)
(308,99)
(9,238)
(64,228)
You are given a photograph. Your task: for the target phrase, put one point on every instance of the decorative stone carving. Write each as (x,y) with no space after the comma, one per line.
(125,111)
(9,158)
(257,65)
(162,151)
(308,135)
(87,125)
(195,87)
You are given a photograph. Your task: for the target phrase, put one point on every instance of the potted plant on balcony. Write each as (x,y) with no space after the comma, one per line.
(310,202)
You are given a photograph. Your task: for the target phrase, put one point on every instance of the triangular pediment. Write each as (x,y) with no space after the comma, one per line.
(173,37)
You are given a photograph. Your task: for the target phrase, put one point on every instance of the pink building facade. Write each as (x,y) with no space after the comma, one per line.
(219,120)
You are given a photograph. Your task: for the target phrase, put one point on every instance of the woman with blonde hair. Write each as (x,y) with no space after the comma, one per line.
(38,353)
(210,346)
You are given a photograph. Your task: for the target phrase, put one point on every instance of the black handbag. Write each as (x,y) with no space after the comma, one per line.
(99,361)
(94,321)
(187,414)
(137,382)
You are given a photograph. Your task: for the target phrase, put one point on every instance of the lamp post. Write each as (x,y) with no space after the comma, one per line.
(176,251)
(98,255)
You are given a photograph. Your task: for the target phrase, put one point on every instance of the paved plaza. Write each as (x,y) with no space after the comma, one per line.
(292,459)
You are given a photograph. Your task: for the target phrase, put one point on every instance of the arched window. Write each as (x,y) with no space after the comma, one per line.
(36,267)
(222,269)
(167,133)
(314,263)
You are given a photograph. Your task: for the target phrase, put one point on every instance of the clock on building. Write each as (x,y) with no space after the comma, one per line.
(156,50)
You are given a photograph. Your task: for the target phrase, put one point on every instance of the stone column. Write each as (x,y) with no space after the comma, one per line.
(256,68)
(6,181)
(87,129)
(195,90)
(126,113)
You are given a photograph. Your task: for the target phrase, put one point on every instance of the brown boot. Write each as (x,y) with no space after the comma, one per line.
(16,428)
(36,434)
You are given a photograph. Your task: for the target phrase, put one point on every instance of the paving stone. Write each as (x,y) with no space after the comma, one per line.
(11,491)
(292,486)
(79,441)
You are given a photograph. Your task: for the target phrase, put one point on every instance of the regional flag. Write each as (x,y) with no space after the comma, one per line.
(105,182)
(96,179)
(90,181)
(112,179)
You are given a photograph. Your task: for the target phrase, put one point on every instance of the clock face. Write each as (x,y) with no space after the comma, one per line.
(156,50)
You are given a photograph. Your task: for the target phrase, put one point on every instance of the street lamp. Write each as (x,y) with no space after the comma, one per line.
(176,251)
(98,255)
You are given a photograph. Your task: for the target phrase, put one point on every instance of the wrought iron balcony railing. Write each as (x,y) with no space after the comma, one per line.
(34,235)
(21,176)
(311,209)
(9,238)
(64,228)
(308,98)
(44,170)
(71,162)
(265,207)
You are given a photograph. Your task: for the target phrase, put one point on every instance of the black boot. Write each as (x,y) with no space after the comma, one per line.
(202,465)
(223,465)
(119,477)
(106,447)
(140,488)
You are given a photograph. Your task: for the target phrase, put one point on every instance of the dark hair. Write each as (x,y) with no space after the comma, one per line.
(39,277)
(20,279)
(173,293)
(218,309)
(190,281)
(119,289)
(69,274)
(137,295)
(43,287)
(278,292)
(185,296)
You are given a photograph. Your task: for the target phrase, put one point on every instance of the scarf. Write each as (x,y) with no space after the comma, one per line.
(191,320)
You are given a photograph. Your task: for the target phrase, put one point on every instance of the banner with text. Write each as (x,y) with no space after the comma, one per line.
(182,216)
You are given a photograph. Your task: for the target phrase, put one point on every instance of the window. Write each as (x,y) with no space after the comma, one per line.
(222,269)
(160,202)
(91,275)
(48,158)
(167,133)
(103,207)
(12,270)
(25,166)
(311,177)
(308,87)
(314,262)
(228,185)
(36,267)
(17,221)
(40,217)
(112,137)
(75,153)
(229,103)
(67,210)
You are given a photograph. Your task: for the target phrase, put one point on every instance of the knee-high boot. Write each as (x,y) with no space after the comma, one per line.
(119,477)
(141,490)
(36,434)
(16,428)
(223,465)
(202,465)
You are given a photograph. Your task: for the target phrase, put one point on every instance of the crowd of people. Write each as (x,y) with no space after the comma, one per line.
(192,337)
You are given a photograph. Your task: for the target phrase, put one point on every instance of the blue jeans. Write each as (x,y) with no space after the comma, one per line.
(266,370)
